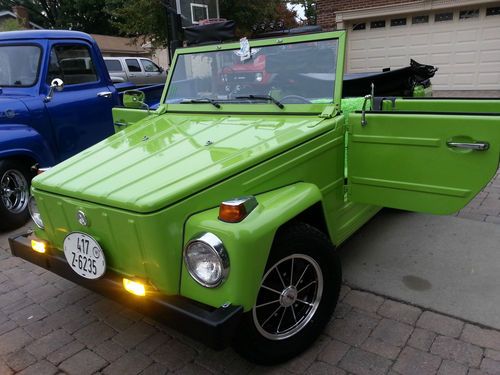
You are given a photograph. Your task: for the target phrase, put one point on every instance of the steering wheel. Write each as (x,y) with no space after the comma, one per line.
(294,99)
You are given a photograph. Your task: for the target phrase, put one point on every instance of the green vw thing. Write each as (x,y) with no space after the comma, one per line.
(220,211)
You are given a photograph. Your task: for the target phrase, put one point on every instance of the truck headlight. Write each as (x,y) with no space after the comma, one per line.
(259,77)
(207,260)
(35,214)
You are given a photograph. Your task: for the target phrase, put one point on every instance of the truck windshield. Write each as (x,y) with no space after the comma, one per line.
(296,73)
(19,65)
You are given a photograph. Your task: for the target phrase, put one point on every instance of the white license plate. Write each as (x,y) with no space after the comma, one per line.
(84,255)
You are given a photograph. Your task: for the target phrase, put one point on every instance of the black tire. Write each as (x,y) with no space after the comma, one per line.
(297,243)
(15,180)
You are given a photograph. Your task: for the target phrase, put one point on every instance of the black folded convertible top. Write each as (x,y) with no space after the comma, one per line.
(398,82)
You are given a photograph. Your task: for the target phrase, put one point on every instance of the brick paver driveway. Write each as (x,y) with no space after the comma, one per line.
(49,325)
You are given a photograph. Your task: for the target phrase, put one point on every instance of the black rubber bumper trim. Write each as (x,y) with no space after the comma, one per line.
(214,327)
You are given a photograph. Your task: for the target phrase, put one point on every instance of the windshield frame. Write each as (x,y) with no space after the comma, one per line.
(37,76)
(261,106)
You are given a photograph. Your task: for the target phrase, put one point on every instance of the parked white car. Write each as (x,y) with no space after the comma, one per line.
(138,70)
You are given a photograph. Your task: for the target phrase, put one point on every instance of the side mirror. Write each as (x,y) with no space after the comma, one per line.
(57,84)
(134,99)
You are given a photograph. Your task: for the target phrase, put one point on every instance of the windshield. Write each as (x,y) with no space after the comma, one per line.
(297,73)
(19,65)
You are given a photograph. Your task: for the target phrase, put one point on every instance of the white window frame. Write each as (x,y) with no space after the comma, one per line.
(199,6)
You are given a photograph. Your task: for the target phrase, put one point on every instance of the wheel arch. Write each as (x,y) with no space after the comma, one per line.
(314,216)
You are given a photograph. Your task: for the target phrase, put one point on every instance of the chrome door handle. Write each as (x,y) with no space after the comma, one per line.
(121,124)
(105,94)
(478,146)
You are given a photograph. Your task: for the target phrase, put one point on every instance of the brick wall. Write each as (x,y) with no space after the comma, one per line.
(326,8)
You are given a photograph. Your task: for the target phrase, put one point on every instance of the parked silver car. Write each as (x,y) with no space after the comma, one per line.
(138,70)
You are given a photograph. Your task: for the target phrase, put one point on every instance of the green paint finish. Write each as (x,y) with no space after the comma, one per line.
(125,117)
(148,189)
(146,168)
(247,243)
(459,105)
(403,160)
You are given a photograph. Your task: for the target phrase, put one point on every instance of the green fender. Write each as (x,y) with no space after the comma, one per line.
(248,243)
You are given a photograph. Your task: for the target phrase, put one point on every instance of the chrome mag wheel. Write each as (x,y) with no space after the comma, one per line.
(14,191)
(289,296)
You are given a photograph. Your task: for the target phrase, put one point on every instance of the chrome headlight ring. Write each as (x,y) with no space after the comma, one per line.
(34,213)
(207,260)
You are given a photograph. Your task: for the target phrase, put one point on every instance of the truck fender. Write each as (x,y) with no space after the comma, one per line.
(23,140)
(248,243)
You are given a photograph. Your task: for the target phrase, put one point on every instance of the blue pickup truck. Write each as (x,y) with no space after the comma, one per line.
(55,100)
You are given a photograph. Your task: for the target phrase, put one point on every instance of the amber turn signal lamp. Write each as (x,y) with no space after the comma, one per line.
(135,287)
(38,246)
(235,210)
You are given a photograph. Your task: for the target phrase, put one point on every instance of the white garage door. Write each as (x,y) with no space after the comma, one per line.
(464,44)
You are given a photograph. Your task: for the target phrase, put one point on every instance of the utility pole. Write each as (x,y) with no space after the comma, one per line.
(174,28)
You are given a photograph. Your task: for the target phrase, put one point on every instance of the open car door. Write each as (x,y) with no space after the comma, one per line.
(423,162)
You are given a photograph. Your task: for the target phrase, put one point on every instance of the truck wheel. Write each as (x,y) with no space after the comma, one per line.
(15,180)
(297,297)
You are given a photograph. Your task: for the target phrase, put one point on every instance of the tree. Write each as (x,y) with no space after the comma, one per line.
(309,7)
(83,15)
(143,19)
(250,13)
(10,25)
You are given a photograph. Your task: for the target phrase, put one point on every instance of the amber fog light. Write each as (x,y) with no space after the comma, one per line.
(135,287)
(207,260)
(38,246)
(34,213)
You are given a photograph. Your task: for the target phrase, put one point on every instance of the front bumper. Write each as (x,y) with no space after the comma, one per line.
(214,327)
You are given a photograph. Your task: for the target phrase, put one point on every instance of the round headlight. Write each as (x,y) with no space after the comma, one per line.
(35,214)
(207,260)
(259,77)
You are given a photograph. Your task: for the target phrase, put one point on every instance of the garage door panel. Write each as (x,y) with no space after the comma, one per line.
(442,37)
(492,79)
(398,61)
(465,46)
(491,67)
(490,56)
(463,79)
(467,35)
(490,32)
(399,41)
(466,57)
(440,59)
(419,40)
(461,67)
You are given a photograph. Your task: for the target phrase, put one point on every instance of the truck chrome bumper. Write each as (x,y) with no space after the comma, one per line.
(214,327)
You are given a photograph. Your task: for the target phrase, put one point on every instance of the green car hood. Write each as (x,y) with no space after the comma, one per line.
(164,159)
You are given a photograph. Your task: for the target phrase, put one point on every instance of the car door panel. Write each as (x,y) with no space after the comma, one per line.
(417,161)
(80,114)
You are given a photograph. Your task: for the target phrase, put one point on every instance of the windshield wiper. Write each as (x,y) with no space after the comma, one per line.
(202,100)
(262,97)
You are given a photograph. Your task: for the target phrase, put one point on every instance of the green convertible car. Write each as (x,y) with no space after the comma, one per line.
(220,211)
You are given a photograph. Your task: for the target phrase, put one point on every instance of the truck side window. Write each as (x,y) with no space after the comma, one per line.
(133,65)
(72,63)
(149,66)
(113,65)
